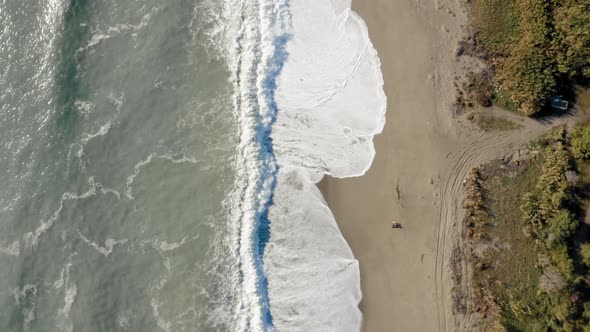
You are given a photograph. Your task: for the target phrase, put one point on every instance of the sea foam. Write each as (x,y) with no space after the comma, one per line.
(256,59)
(330,105)
(309,99)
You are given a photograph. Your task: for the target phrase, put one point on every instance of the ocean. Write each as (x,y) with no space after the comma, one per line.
(160,159)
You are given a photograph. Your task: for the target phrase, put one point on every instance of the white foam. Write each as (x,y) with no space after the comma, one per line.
(163,245)
(31,239)
(65,324)
(28,296)
(162,323)
(217,23)
(252,61)
(103,130)
(137,169)
(84,107)
(99,36)
(330,92)
(21,293)
(331,104)
(109,244)
(11,250)
(123,321)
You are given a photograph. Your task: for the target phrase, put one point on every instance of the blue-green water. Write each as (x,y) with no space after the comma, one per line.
(117,140)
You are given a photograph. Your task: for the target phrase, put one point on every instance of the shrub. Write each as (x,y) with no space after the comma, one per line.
(562,261)
(572,25)
(586,313)
(561,311)
(528,73)
(580,142)
(553,186)
(538,47)
(562,225)
(480,88)
(547,293)
(545,207)
(528,77)
(585,253)
(530,210)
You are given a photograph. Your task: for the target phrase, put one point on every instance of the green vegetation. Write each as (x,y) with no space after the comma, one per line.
(537,47)
(580,141)
(531,271)
(487,122)
(585,253)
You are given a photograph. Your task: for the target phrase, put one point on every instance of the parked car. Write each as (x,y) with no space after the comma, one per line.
(559,104)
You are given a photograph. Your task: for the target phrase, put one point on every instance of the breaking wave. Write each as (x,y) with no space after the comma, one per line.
(308,100)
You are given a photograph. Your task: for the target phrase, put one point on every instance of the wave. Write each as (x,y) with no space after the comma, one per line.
(308,100)
(331,104)
(260,54)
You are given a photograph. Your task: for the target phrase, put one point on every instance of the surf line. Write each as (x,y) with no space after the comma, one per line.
(261,53)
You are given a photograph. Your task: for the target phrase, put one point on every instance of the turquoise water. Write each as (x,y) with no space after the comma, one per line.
(118,139)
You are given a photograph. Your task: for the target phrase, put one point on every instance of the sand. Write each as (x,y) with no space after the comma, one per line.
(402,286)
(416,174)
(422,157)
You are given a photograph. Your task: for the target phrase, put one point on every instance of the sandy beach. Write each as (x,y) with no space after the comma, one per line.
(422,157)
(401,282)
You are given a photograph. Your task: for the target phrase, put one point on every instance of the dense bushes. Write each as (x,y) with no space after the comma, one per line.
(546,207)
(572,43)
(528,77)
(528,73)
(585,253)
(580,141)
(562,225)
(539,47)
(476,218)
(550,208)
(537,279)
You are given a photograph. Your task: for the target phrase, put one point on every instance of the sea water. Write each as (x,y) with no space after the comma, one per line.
(160,158)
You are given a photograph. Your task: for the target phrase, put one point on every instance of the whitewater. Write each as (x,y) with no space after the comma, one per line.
(309,99)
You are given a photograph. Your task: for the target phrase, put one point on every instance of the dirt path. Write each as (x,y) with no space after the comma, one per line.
(476,149)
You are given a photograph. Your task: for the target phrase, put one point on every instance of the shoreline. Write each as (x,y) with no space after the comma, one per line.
(422,157)
(404,280)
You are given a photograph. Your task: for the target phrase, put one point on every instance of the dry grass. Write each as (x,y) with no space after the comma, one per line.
(487,122)
(583,101)
(502,258)
(513,256)
(495,21)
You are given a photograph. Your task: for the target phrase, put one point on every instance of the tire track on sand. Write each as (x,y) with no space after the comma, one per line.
(455,167)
